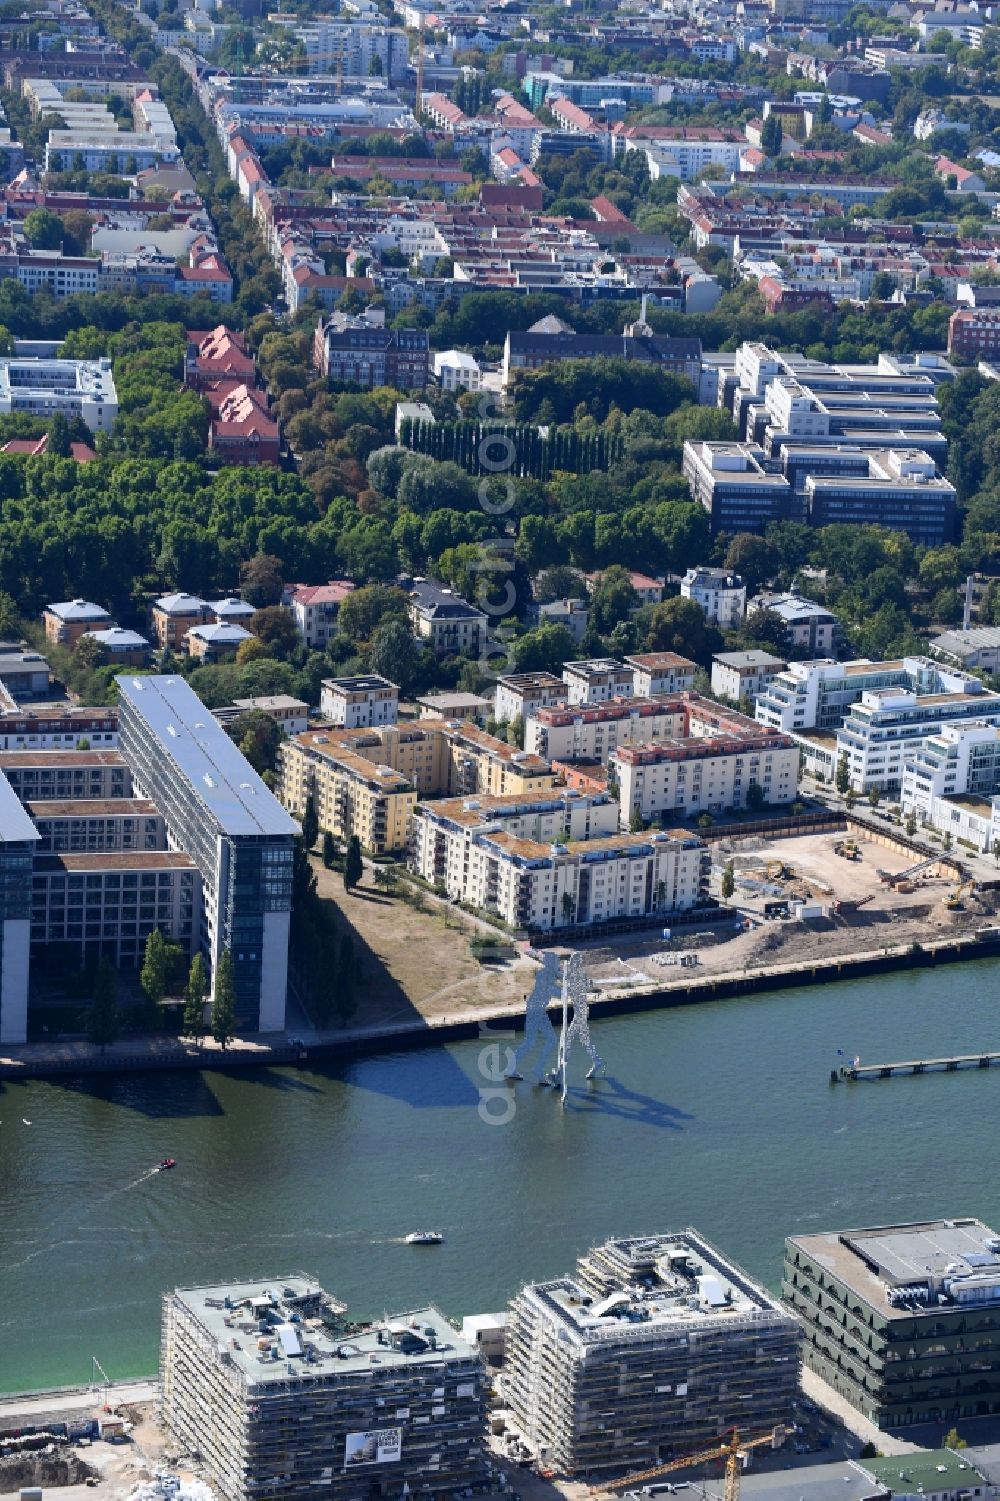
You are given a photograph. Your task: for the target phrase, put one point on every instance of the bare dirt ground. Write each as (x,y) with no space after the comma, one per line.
(420,960)
(888,918)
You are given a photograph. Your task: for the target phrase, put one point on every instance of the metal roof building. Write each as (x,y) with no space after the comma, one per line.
(219,810)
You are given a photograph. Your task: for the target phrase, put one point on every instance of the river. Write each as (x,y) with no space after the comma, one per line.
(718,1115)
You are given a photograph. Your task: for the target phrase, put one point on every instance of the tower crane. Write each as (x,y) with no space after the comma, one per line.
(733,1450)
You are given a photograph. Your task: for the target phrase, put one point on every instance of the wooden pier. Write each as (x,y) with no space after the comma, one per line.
(916,1066)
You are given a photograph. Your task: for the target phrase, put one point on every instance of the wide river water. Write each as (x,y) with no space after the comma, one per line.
(718,1115)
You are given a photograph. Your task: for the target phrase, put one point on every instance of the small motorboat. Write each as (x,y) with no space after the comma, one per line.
(424,1238)
(161,1167)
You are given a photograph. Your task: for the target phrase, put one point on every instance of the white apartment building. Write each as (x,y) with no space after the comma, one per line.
(519,694)
(77,388)
(596,681)
(660,672)
(457,371)
(951,781)
(703,775)
(808,625)
(592,732)
(690,153)
(888,723)
(539,884)
(721,594)
(738,675)
(120,152)
(315,608)
(359,703)
(818,695)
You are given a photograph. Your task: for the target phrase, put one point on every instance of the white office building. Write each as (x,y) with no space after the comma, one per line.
(76,388)
(888,723)
(818,695)
(951,783)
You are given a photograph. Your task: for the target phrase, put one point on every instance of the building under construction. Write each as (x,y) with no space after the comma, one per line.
(280,1396)
(654,1348)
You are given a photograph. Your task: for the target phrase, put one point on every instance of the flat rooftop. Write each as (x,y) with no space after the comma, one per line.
(218,774)
(653,1285)
(14,760)
(97,807)
(288,1327)
(842,1481)
(112,860)
(907,1270)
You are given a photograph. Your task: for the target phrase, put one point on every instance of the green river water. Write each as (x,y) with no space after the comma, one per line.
(718,1115)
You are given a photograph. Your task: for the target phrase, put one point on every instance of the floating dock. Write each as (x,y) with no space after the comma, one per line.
(915,1066)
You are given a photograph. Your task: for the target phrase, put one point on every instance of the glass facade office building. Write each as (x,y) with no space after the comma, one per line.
(219,811)
(18,838)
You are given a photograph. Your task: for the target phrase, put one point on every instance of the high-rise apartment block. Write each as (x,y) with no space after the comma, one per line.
(282,1398)
(655,1346)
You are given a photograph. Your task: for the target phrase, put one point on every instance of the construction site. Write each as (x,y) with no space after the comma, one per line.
(653,1347)
(811,898)
(279,1394)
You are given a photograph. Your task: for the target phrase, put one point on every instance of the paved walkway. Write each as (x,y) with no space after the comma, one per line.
(824,1396)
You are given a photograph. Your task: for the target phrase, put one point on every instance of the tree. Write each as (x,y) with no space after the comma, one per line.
(558,582)
(365,609)
(259,737)
(104,1021)
(329,849)
(843,780)
(771,136)
(874,796)
(59,437)
(543,649)
(153,975)
(262,581)
(613,599)
(310,824)
(728,881)
(911,823)
(952,1440)
(224,1005)
(568,907)
(755,797)
(394,653)
(354,866)
(753,558)
(44,229)
(193,1023)
(276,628)
(679,625)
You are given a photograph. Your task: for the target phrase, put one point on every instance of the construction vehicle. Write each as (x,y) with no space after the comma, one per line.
(953,901)
(733,1450)
(777,870)
(847,849)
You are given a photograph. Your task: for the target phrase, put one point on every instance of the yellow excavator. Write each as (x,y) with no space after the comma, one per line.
(733,1450)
